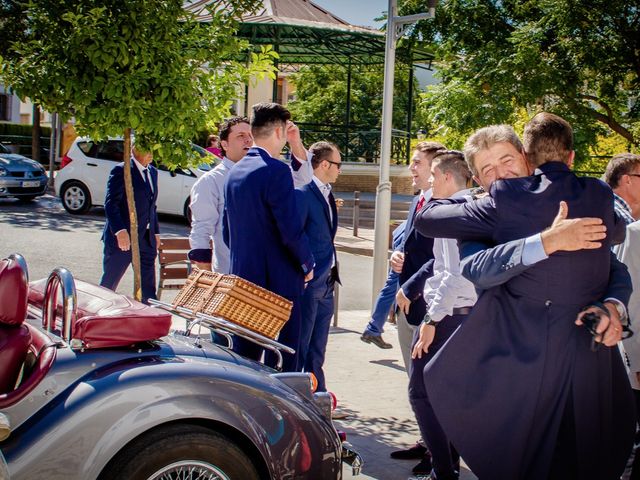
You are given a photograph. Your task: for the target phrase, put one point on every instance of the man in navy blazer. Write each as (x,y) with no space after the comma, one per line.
(262,227)
(319,215)
(116,234)
(518,389)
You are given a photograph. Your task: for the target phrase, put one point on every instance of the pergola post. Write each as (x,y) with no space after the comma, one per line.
(410,106)
(395,28)
(348,112)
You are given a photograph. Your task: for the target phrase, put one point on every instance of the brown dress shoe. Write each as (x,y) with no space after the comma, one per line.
(376,340)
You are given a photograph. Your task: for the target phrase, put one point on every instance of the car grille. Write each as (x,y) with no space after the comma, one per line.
(26,191)
(35,174)
(18,174)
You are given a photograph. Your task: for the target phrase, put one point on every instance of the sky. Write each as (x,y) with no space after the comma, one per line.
(356,12)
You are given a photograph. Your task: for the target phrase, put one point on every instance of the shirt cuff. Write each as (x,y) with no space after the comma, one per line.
(307,267)
(625,318)
(533,251)
(296,164)
(202,255)
(437,316)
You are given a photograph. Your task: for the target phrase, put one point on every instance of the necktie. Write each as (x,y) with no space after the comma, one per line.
(421,202)
(147,180)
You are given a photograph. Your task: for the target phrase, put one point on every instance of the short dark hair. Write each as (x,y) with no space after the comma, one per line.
(265,117)
(429,147)
(619,165)
(225,129)
(547,137)
(453,162)
(321,151)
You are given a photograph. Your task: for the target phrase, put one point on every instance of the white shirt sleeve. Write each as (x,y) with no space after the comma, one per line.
(304,174)
(204,212)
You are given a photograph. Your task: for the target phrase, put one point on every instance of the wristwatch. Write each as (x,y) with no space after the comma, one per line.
(622,311)
(427,320)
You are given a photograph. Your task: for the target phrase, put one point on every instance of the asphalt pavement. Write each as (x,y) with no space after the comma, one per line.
(370,383)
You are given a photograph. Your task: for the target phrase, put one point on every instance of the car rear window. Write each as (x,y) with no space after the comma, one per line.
(110,150)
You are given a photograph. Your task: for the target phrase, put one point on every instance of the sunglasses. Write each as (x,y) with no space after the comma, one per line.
(338,164)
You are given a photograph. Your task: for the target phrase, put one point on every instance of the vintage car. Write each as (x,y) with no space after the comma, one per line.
(93,386)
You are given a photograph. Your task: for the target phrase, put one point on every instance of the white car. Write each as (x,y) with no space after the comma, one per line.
(81,182)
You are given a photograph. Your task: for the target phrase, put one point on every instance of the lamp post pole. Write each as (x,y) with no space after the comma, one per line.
(395,28)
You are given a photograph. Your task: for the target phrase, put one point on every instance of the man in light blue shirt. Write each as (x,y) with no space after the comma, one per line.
(207,194)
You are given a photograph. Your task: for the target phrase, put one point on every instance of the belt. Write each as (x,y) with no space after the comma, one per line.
(462,311)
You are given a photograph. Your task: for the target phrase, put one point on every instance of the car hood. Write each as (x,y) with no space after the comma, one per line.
(17,160)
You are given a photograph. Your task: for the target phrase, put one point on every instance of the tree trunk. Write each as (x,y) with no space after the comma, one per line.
(133,217)
(35,134)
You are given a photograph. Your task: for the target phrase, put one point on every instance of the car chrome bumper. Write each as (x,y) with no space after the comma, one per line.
(352,458)
(13,187)
(4,470)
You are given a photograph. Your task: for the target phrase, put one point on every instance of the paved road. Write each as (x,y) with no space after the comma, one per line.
(371,384)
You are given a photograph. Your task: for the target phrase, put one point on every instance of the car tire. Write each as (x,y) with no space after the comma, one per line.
(170,451)
(187,211)
(75,198)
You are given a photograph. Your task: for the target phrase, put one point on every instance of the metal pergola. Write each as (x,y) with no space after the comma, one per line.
(328,40)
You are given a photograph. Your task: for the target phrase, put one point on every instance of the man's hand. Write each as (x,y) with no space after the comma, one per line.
(309,276)
(397,260)
(609,328)
(427,334)
(157,241)
(202,265)
(572,234)
(124,242)
(403,302)
(295,141)
(339,203)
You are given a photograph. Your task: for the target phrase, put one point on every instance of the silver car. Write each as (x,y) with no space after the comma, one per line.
(20,176)
(100,395)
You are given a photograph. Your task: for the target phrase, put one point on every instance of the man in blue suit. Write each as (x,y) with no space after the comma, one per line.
(262,227)
(518,389)
(116,234)
(319,215)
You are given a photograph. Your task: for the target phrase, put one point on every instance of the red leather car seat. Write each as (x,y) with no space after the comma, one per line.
(15,337)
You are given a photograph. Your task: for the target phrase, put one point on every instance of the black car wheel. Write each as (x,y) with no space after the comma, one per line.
(187,211)
(75,197)
(184,452)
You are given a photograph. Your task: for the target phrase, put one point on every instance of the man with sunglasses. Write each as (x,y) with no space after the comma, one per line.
(319,214)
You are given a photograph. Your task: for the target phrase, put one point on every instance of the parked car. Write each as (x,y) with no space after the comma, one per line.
(20,176)
(104,391)
(81,182)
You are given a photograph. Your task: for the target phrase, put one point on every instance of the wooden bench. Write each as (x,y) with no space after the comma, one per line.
(175,266)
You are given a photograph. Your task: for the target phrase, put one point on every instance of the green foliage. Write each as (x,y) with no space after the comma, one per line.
(146,65)
(321,95)
(580,60)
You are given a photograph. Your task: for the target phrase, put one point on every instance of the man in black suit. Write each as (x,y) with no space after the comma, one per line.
(116,235)
(518,389)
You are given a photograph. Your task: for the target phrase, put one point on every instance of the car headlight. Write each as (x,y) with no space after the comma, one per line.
(3,171)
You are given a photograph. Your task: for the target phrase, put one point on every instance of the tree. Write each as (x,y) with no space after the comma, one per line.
(321,97)
(135,64)
(580,59)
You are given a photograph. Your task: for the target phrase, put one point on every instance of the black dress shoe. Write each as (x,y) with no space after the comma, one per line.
(424,467)
(416,452)
(376,340)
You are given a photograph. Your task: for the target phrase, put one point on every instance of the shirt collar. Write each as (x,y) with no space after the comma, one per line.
(325,188)
(141,169)
(227,163)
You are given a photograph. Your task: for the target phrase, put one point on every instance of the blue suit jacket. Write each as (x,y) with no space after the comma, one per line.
(519,358)
(117,211)
(417,266)
(262,227)
(319,226)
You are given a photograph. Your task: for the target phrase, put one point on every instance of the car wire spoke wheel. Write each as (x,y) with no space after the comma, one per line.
(189,470)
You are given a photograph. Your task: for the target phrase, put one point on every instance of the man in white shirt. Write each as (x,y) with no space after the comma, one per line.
(449,297)
(207,194)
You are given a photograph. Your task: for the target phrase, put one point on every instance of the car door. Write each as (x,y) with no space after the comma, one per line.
(174,189)
(100,158)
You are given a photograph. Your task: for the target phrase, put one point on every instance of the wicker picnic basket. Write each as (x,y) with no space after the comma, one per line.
(235,299)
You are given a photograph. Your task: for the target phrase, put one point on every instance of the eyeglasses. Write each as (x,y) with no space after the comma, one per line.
(338,164)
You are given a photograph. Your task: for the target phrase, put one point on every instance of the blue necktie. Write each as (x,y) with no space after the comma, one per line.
(147,180)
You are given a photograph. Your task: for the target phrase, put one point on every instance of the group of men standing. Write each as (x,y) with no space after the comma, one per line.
(496,289)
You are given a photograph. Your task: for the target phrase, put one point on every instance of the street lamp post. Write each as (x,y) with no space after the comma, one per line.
(395,29)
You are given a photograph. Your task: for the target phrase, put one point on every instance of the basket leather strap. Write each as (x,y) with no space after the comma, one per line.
(214,283)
